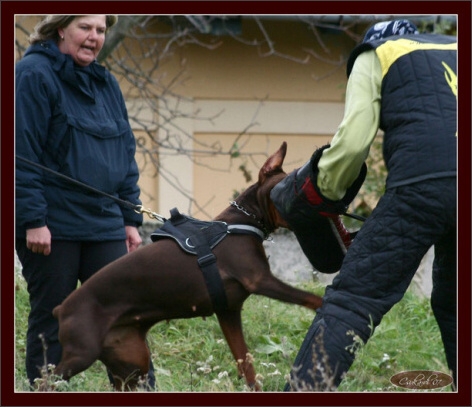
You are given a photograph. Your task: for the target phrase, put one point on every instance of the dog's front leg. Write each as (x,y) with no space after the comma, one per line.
(272,287)
(230,322)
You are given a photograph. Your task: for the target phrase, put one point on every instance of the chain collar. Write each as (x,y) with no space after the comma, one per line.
(243,210)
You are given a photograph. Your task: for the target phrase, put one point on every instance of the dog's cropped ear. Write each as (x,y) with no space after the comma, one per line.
(274,162)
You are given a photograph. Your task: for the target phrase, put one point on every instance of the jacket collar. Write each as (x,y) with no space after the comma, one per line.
(64,65)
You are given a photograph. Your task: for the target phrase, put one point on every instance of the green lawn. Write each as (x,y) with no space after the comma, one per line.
(192,355)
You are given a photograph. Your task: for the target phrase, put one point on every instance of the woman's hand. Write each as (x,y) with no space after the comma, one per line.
(133,238)
(38,240)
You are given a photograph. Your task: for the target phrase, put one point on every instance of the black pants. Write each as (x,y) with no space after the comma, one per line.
(50,279)
(375,274)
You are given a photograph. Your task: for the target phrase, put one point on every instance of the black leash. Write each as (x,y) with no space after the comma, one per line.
(354,216)
(136,208)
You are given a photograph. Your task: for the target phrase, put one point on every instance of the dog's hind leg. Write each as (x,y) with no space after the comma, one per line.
(230,322)
(127,356)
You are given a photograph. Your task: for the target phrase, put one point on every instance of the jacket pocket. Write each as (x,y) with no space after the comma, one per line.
(98,152)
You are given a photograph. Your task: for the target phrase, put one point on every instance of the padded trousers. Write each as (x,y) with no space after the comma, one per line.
(376,272)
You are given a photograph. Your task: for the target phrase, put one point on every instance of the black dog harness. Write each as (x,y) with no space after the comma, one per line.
(200,238)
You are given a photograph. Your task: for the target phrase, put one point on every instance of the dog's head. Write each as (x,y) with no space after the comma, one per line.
(271,174)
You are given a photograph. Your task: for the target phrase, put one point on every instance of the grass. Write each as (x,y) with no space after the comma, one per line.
(192,355)
(407,339)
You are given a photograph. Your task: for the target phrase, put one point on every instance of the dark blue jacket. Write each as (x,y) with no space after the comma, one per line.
(73,120)
(419,105)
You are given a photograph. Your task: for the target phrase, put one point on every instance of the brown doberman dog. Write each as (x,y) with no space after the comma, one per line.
(108,317)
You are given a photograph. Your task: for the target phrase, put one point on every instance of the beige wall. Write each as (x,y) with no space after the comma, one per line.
(216,186)
(207,182)
(237,71)
(271,98)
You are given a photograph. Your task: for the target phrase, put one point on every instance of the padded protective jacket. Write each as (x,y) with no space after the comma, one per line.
(73,120)
(419,92)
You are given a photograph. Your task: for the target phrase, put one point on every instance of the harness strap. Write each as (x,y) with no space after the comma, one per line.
(175,220)
(205,259)
(207,262)
(204,236)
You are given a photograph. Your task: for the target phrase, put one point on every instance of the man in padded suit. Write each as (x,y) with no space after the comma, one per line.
(404,83)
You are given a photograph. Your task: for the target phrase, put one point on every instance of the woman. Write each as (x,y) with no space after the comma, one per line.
(70,117)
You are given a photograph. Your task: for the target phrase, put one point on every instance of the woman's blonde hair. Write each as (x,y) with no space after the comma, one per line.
(46,29)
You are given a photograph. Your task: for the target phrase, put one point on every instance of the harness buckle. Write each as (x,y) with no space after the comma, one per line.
(206,260)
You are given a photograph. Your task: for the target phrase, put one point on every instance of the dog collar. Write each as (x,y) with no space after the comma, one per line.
(246,230)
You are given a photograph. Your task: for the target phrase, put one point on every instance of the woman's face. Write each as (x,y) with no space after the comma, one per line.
(83,38)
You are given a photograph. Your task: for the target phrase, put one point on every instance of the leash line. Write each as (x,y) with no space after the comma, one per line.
(122,202)
(354,216)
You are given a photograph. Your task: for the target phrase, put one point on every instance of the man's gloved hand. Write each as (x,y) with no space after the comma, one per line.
(324,206)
